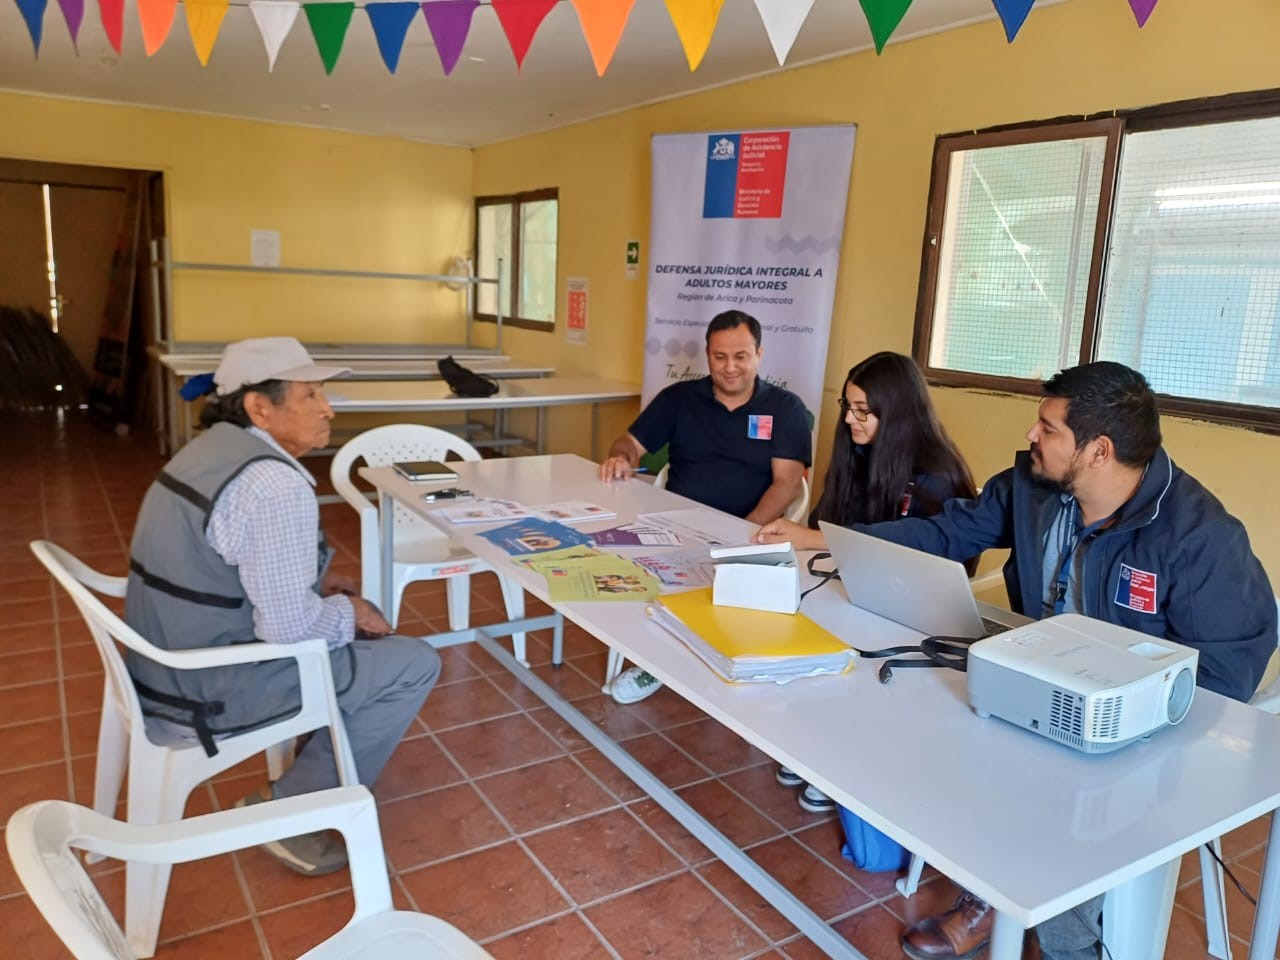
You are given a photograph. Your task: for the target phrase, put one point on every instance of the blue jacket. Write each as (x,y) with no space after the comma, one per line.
(1175,564)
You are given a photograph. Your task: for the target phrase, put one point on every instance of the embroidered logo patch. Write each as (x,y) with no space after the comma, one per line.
(1136,589)
(760,427)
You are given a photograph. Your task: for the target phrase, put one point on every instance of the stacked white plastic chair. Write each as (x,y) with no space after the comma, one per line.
(421,551)
(164,771)
(43,837)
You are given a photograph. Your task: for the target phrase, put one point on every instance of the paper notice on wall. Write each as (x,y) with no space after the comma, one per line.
(264,248)
(576,309)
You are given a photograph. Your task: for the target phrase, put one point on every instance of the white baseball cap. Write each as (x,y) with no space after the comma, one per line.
(252,361)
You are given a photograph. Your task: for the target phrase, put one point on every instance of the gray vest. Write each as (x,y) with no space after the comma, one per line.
(183,596)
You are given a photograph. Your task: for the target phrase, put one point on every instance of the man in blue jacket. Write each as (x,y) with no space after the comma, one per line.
(1101,522)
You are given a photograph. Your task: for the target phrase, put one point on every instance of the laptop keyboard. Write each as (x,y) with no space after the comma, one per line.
(991,627)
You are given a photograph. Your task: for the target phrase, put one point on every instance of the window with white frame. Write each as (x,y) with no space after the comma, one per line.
(520,231)
(1152,239)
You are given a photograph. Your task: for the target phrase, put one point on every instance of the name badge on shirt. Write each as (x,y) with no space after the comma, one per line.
(1136,589)
(760,426)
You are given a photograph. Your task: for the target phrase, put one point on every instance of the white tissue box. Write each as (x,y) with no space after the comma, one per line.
(758,576)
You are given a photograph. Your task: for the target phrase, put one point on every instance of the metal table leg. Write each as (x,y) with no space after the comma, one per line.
(778,896)
(1006,938)
(1266,922)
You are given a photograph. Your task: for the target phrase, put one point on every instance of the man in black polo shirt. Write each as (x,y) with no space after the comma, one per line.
(736,443)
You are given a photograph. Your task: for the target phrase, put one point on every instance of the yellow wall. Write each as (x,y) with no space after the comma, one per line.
(1077,57)
(339,201)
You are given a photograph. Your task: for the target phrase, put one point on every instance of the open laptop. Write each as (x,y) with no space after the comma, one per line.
(916,589)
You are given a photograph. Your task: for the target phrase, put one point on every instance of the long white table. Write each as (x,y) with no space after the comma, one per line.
(1029,825)
(367,362)
(540,394)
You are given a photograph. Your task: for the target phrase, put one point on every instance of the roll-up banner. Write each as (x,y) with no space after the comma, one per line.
(747,221)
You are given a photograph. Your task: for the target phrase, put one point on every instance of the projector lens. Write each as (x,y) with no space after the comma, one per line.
(1184,687)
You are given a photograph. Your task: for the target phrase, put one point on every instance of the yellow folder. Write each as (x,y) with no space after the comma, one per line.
(737,632)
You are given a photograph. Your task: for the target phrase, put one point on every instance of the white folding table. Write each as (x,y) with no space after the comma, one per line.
(367,362)
(1029,825)
(419,396)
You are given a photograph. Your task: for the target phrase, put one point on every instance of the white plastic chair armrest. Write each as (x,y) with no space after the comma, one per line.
(237,653)
(349,810)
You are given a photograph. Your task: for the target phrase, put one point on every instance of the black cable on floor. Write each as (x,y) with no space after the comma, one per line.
(1227,870)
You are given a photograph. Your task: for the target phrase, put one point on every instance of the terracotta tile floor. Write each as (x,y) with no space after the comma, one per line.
(495,815)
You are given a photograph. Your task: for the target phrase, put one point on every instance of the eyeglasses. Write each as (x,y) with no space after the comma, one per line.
(861,414)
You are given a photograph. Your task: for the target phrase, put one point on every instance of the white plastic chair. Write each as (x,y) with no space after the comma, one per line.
(421,551)
(42,838)
(164,771)
(797,512)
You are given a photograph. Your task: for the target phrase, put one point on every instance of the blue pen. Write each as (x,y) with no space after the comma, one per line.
(640,470)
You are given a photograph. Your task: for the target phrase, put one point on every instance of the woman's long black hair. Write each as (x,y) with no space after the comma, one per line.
(867,485)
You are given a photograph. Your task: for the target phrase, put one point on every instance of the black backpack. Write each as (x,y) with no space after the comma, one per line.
(464,382)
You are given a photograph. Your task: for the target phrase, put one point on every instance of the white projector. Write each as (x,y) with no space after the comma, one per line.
(1082,682)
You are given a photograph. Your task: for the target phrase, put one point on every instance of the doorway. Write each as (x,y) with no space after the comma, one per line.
(75,261)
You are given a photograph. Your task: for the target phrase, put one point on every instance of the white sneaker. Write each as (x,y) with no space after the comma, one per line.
(815,801)
(633,685)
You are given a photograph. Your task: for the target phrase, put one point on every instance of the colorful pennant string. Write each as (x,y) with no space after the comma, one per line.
(112,13)
(390,22)
(204,20)
(695,22)
(449,22)
(33,14)
(275,18)
(782,22)
(156,17)
(1013,13)
(329,22)
(883,17)
(1142,10)
(73,14)
(520,20)
(602,24)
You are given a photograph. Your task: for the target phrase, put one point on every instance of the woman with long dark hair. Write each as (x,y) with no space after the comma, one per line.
(891,459)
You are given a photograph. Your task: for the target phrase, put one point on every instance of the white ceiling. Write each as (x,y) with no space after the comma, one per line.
(484,101)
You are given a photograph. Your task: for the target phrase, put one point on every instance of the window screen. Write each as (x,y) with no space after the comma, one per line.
(493,242)
(1192,286)
(538,225)
(1014,259)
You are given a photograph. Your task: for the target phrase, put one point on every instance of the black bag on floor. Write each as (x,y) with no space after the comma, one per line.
(464,382)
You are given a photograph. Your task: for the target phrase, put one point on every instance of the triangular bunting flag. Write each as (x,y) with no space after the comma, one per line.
(520,20)
(329,22)
(112,13)
(1142,9)
(782,21)
(157,21)
(602,24)
(275,18)
(695,22)
(204,20)
(883,16)
(33,13)
(390,24)
(73,13)
(1013,13)
(449,22)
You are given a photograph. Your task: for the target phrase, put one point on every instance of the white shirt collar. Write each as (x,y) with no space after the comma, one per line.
(271,441)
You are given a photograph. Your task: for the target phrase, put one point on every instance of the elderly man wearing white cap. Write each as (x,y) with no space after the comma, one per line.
(228,549)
